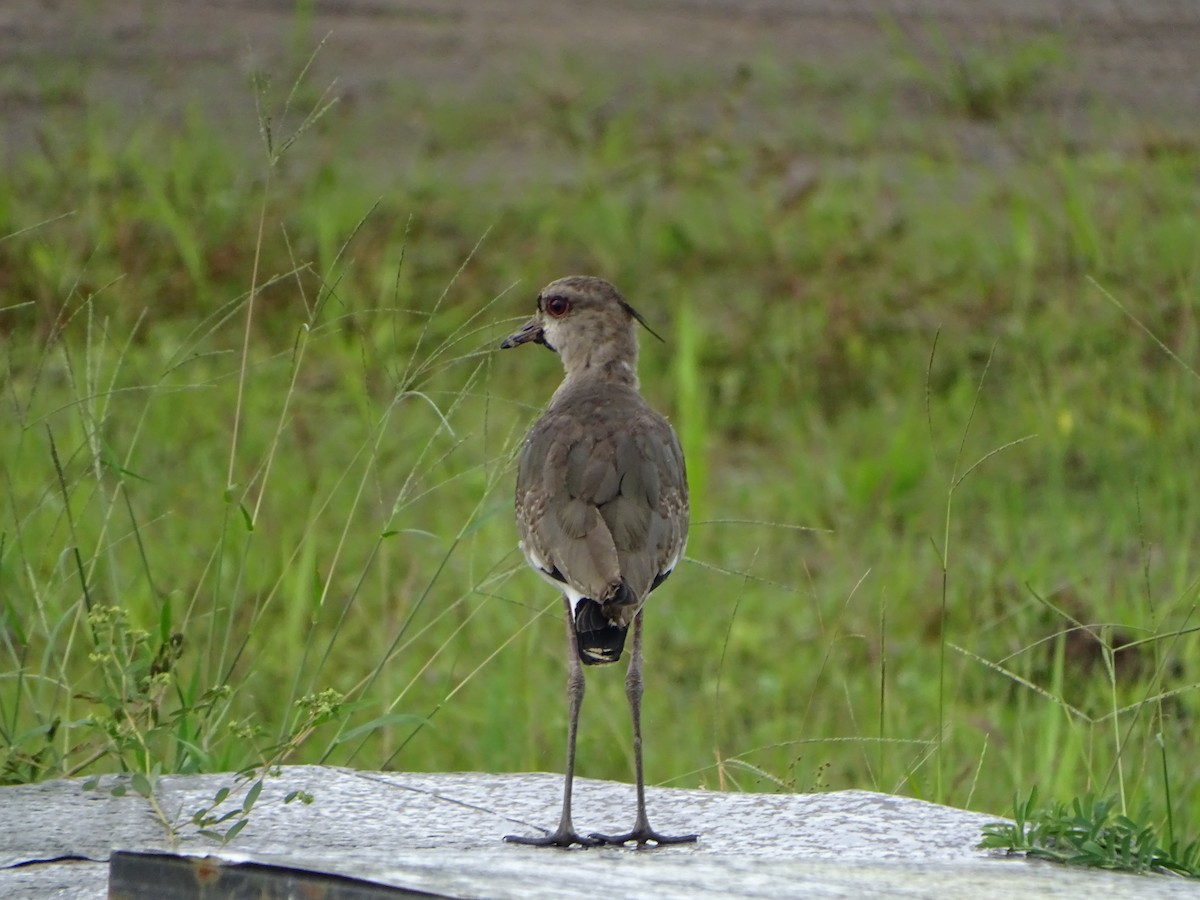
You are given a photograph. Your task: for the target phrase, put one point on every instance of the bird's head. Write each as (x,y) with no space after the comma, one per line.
(587,322)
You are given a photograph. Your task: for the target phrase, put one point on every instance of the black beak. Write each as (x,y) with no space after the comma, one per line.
(531,331)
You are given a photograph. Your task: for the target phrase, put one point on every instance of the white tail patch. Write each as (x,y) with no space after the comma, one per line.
(573,595)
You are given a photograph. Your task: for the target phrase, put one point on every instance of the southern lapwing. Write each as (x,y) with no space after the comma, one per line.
(602,506)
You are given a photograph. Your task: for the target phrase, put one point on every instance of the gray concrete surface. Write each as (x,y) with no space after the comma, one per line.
(442,833)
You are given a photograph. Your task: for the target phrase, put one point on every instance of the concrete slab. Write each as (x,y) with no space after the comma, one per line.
(442,834)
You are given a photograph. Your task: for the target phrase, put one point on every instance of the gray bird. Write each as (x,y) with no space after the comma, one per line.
(602,506)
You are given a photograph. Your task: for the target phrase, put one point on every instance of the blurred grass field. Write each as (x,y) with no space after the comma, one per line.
(931,354)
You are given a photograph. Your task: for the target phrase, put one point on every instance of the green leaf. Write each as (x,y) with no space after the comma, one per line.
(252,796)
(141,784)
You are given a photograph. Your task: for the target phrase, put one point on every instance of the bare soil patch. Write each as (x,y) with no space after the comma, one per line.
(153,59)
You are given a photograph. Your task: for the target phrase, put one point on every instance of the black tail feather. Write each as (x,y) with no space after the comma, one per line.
(600,628)
(600,642)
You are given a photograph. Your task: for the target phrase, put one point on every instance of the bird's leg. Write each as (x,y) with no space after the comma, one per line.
(642,833)
(565,835)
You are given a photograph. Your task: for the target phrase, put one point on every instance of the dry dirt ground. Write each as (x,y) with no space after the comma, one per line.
(153,57)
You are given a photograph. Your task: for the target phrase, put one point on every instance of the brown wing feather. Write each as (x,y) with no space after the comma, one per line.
(602,493)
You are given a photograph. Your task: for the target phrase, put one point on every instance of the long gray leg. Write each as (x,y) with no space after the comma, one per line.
(565,835)
(642,833)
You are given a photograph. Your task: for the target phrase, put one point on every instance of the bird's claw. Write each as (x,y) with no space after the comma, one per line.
(564,838)
(642,837)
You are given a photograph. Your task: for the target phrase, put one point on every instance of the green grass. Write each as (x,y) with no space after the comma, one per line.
(1090,832)
(939,415)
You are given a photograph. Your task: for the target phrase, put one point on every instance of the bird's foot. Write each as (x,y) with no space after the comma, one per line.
(561,837)
(642,836)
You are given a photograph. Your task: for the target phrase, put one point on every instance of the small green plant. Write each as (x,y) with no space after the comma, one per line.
(130,723)
(1090,832)
(223,825)
(218,819)
(977,81)
(983,84)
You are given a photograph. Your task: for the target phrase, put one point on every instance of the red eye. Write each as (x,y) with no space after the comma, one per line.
(558,306)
